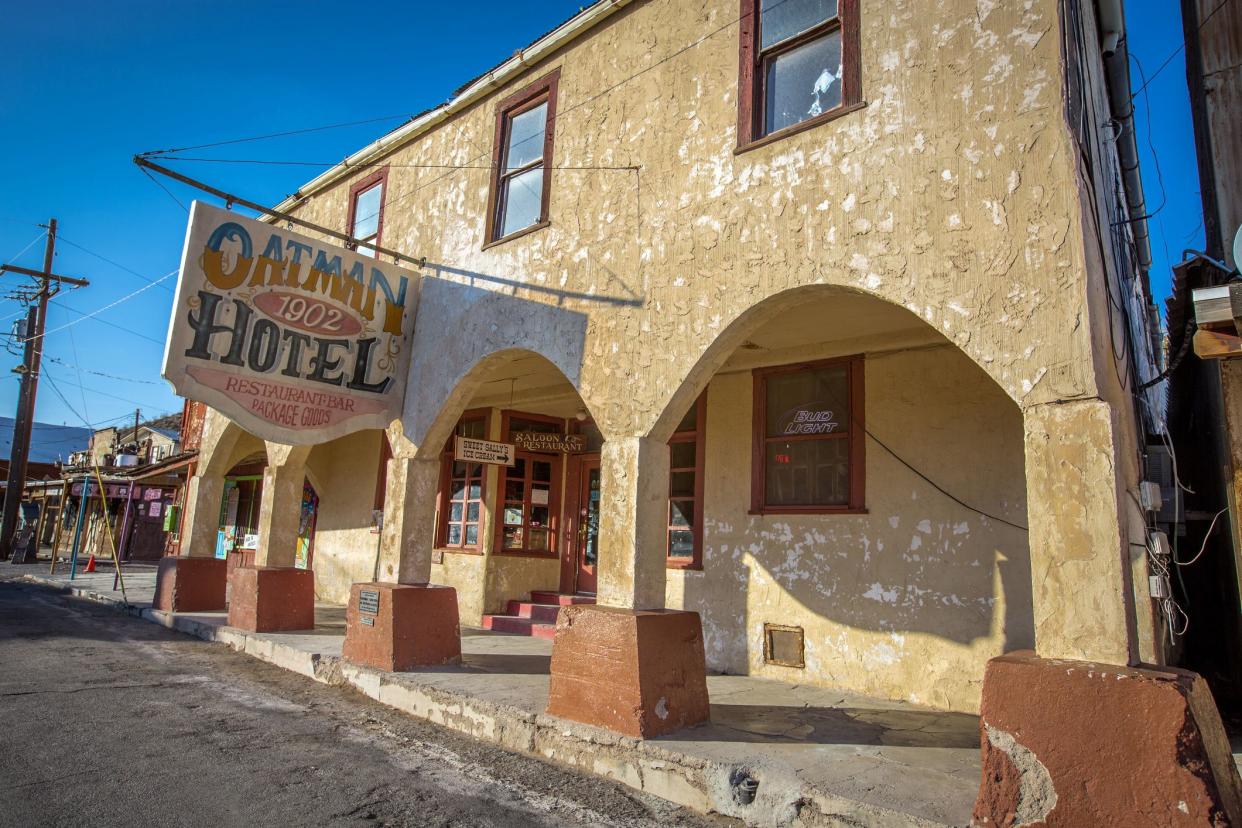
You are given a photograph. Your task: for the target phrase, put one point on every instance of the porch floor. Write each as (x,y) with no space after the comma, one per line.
(882,761)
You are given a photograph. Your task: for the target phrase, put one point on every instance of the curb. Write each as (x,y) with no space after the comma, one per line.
(694,782)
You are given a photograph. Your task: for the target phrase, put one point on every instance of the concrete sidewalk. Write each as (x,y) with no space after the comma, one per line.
(821,756)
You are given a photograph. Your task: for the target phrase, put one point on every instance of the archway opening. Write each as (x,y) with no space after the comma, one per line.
(861,512)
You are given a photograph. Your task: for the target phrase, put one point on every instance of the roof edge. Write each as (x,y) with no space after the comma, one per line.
(567,32)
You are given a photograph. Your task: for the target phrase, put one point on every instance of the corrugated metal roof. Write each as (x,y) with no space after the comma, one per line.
(48,443)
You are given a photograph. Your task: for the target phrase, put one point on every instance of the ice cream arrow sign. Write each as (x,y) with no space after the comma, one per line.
(295,340)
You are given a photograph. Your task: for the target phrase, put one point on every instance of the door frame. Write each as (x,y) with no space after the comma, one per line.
(571,519)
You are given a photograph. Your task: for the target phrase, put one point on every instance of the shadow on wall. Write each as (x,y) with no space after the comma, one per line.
(459,328)
(916,562)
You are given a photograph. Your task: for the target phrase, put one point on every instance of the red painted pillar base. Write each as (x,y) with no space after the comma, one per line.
(395,627)
(185,584)
(1072,743)
(641,673)
(272,599)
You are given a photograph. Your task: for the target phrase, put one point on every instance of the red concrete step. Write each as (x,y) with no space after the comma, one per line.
(560,599)
(518,626)
(536,612)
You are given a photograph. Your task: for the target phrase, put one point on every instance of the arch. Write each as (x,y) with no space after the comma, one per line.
(752,319)
(225,444)
(437,429)
(460,328)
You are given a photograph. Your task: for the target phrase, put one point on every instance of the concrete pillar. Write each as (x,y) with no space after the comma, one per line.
(195,580)
(1080,578)
(280,507)
(402,621)
(633,523)
(201,521)
(408,534)
(274,595)
(628,664)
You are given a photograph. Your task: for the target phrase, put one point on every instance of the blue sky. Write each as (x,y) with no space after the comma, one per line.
(86,85)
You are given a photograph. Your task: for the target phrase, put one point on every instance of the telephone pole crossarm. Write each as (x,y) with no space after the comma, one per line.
(39,274)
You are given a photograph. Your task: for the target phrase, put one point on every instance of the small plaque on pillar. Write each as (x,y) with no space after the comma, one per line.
(368,601)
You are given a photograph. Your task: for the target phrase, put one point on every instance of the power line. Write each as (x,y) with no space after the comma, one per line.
(84,388)
(99,373)
(405,115)
(33,242)
(121,328)
(1179,48)
(117,265)
(285,163)
(94,313)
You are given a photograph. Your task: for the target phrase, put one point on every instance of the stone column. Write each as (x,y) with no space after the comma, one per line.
(408,534)
(195,580)
(1080,578)
(200,522)
(274,595)
(280,506)
(628,664)
(403,621)
(633,523)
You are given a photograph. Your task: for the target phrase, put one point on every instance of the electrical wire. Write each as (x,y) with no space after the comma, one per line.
(287,163)
(99,373)
(405,115)
(108,306)
(32,243)
(56,388)
(1206,536)
(940,488)
(169,192)
(102,321)
(1179,48)
(85,389)
(102,258)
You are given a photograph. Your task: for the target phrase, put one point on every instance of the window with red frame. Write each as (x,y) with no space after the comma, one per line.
(366,211)
(521,159)
(808,438)
(798,66)
(685,489)
(531,493)
(461,490)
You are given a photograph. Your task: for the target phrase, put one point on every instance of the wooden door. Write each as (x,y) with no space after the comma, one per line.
(586,530)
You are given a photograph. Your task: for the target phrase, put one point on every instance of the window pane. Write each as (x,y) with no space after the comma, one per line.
(366,212)
(514,489)
(538,515)
(472,534)
(538,540)
(454,534)
(680,544)
(454,511)
(470,428)
(808,473)
(689,421)
(476,491)
(541,471)
(526,137)
(812,401)
(681,513)
(681,484)
(537,426)
(681,455)
(781,19)
(513,515)
(803,82)
(512,537)
(518,469)
(457,490)
(472,512)
(523,201)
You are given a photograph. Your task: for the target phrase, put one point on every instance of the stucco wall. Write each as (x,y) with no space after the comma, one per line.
(343,473)
(907,601)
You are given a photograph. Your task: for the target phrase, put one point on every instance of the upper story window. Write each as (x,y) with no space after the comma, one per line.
(808,438)
(799,65)
(366,210)
(521,159)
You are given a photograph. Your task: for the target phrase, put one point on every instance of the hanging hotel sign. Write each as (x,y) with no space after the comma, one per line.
(295,340)
(553,443)
(471,450)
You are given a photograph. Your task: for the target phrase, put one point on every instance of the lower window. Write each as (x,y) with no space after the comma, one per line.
(808,438)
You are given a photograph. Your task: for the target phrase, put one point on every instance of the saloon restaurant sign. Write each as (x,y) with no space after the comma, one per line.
(295,340)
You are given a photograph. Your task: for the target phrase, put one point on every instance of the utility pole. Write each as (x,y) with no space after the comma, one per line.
(36,321)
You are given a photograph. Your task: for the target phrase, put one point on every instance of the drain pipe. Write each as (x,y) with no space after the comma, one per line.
(1117,73)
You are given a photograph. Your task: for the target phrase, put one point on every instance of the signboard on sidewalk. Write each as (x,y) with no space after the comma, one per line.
(471,450)
(295,340)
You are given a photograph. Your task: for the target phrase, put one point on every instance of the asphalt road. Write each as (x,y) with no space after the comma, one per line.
(109,720)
